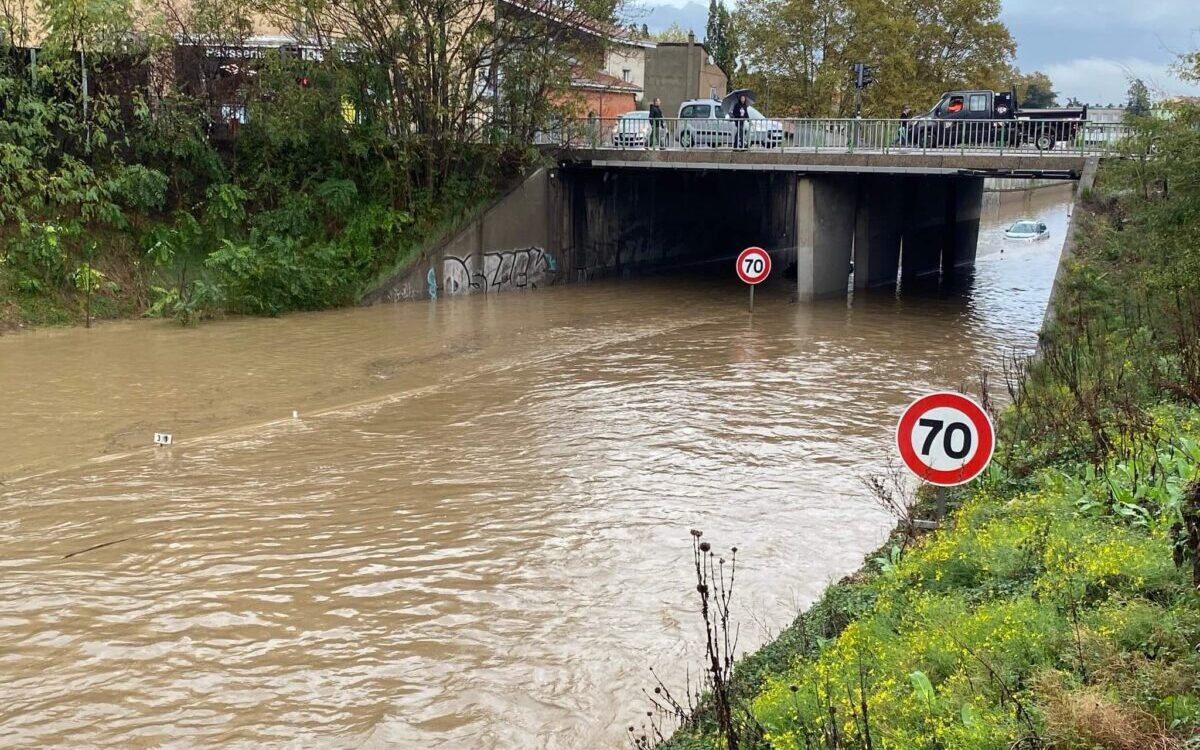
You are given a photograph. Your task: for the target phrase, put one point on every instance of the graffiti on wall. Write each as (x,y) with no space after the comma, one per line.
(528,268)
(404,291)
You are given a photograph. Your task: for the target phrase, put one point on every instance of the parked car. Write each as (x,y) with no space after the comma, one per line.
(702,122)
(764,131)
(632,130)
(1027,230)
(978,117)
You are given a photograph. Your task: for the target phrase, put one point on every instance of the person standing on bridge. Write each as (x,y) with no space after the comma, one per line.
(656,123)
(593,128)
(740,113)
(905,116)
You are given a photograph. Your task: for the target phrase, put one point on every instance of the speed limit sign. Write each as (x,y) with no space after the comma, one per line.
(753,265)
(945,439)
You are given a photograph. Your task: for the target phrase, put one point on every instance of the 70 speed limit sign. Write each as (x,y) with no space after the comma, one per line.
(754,265)
(945,439)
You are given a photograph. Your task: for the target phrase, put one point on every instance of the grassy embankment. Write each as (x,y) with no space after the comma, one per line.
(131,201)
(1060,606)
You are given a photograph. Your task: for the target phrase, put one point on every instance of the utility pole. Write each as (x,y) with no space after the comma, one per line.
(863,76)
(858,87)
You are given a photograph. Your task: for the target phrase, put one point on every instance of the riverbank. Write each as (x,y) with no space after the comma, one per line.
(139,200)
(1060,605)
(130,277)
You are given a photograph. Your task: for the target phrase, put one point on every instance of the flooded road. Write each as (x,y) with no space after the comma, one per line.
(475,533)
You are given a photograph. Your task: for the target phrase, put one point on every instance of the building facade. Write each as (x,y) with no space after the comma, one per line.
(616,88)
(678,71)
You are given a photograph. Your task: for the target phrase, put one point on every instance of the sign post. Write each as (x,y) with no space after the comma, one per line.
(945,439)
(753,268)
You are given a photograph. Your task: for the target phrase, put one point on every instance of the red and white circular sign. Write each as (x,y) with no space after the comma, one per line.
(945,438)
(753,265)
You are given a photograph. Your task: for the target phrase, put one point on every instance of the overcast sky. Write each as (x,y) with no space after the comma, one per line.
(1089,48)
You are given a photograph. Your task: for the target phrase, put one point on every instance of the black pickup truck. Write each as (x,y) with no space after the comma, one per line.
(991,118)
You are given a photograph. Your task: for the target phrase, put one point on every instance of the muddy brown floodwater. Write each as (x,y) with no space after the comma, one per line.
(475,534)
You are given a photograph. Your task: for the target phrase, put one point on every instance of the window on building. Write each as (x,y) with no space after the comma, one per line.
(712,92)
(626,75)
(234,113)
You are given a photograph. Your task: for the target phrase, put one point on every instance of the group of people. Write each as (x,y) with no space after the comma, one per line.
(739,112)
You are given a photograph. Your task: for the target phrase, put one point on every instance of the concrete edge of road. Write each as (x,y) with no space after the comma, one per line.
(1060,166)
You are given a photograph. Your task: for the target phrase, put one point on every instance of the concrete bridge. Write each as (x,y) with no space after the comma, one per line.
(602,212)
(1063,164)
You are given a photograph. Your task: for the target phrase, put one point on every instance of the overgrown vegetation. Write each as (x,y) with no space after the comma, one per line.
(798,53)
(160,160)
(1061,608)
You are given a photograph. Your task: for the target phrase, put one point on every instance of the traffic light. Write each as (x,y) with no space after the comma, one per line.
(864,75)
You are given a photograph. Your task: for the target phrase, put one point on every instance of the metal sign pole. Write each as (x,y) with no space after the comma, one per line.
(752,298)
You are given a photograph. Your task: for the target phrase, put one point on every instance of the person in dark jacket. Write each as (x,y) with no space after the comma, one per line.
(656,123)
(905,116)
(740,113)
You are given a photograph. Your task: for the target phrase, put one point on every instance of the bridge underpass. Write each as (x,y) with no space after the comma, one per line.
(626,221)
(613,213)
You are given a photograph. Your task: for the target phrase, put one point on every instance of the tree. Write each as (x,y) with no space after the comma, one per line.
(801,51)
(1035,91)
(673,33)
(1188,66)
(1139,98)
(720,38)
(726,53)
(440,72)
(87,280)
(16,17)
(712,30)
(794,53)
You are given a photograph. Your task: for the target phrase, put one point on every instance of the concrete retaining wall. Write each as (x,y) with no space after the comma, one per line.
(513,244)
(1086,180)
(1016,184)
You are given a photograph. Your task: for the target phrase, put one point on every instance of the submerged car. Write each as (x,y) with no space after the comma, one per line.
(1027,230)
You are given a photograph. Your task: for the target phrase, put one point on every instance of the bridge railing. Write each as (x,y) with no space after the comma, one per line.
(1049,137)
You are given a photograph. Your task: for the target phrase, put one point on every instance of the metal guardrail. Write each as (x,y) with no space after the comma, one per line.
(1047,137)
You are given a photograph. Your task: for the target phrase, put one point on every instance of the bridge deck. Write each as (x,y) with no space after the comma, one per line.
(1017,163)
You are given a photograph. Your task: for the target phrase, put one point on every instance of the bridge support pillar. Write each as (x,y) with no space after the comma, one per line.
(878,231)
(824,235)
(963,209)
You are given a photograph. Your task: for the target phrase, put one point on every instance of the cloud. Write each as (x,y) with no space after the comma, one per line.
(688,14)
(1089,48)
(1101,79)
(1103,14)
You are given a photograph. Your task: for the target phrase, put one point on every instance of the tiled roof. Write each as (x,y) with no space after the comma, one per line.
(602,81)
